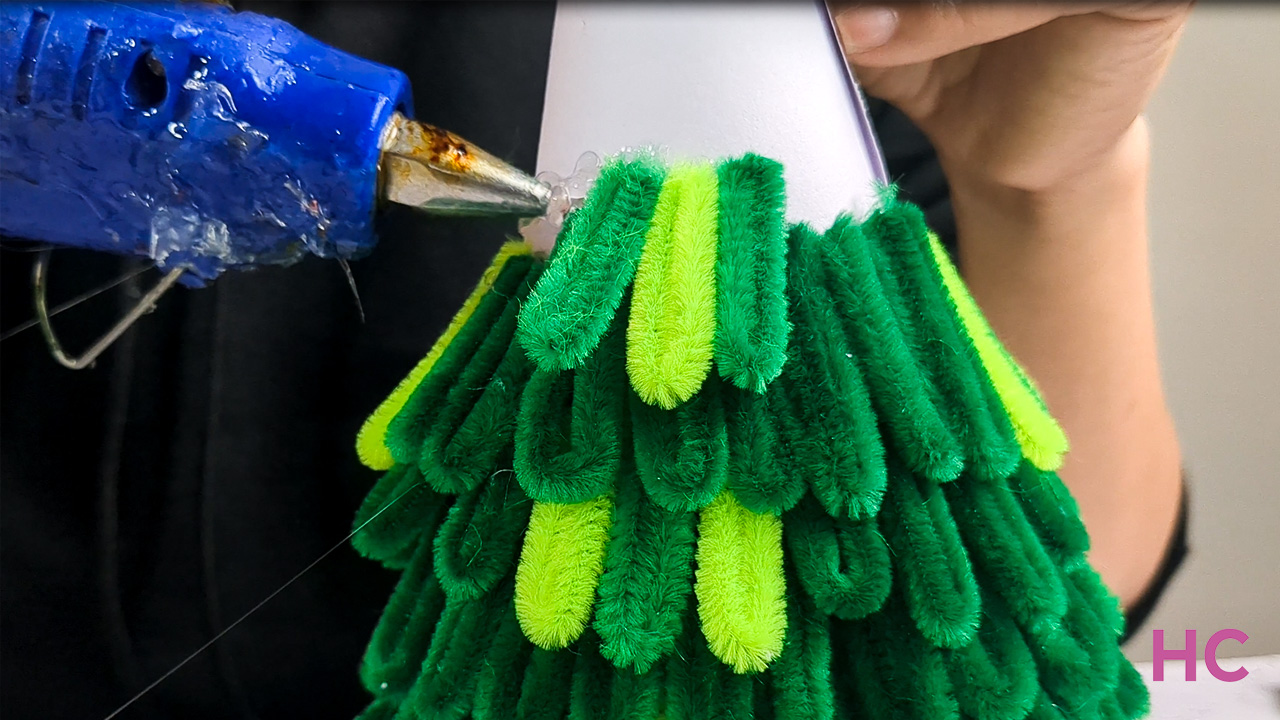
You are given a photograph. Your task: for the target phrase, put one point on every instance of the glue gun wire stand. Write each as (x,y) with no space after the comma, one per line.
(206,139)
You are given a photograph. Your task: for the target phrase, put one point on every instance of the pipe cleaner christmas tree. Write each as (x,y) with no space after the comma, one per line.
(700,464)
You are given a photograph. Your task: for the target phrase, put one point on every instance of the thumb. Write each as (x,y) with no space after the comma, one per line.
(893,34)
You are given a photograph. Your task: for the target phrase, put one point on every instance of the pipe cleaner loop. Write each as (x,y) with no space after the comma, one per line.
(573,426)
(751,273)
(648,575)
(672,326)
(593,264)
(559,569)
(740,586)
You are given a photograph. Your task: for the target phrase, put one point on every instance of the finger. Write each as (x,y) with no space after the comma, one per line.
(895,34)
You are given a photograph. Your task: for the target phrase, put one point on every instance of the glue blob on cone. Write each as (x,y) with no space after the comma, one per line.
(706,462)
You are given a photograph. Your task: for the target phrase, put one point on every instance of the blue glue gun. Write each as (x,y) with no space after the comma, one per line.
(207,139)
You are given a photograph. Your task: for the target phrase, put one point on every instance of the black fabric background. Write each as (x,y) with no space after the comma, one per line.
(208,457)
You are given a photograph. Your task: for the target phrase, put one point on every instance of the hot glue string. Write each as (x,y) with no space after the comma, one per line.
(257,607)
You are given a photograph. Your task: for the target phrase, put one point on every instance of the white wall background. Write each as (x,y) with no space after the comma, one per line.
(1215,214)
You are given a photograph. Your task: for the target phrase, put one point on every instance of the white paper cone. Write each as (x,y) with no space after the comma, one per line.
(713,80)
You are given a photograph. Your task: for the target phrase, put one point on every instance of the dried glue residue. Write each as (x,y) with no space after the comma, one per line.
(182,230)
(567,194)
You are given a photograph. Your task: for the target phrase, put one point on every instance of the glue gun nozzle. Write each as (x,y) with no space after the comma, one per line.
(438,172)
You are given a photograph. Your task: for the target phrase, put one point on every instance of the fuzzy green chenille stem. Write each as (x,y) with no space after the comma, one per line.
(930,564)
(842,564)
(802,678)
(498,688)
(839,447)
(594,263)
(1004,548)
(672,324)
(574,425)
(855,515)
(478,542)
(410,425)
(760,475)
(400,512)
(402,636)
(682,455)
(648,575)
(896,380)
(476,423)
(930,323)
(751,273)
(994,676)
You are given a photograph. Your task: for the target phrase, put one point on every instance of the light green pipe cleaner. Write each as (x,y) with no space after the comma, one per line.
(703,465)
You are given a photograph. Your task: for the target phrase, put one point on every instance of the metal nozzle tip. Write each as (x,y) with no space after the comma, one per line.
(438,172)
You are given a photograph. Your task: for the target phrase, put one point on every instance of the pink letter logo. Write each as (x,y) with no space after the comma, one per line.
(1211,655)
(1188,655)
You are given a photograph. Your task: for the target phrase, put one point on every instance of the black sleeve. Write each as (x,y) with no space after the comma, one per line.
(913,166)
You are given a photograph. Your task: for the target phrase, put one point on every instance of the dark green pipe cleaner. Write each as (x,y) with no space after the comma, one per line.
(929,321)
(409,427)
(1089,584)
(461,460)
(445,689)
(699,686)
(591,697)
(395,517)
(1004,549)
(478,542)
(760,475)
(1078,658)
(994,677)
(637,696)
(788,426)
(400,640)
(573,425)
(899,387)
(751,266)
(594,262)
(842,564)
(544,692)
(691,673)
(383,708)
(762,697)
(498,687)
(801,678)
(476,423)
(930,566)
(1129,700)
(682,455)
(1045,709)
(891,671)
(647,580)
(1131,693)
(839,449)
(1052,512)
(602,692)
(1089,624)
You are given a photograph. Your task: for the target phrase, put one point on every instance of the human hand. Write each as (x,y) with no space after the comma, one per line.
(1025,96)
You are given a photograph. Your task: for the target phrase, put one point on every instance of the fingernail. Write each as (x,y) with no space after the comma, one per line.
(865,28)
